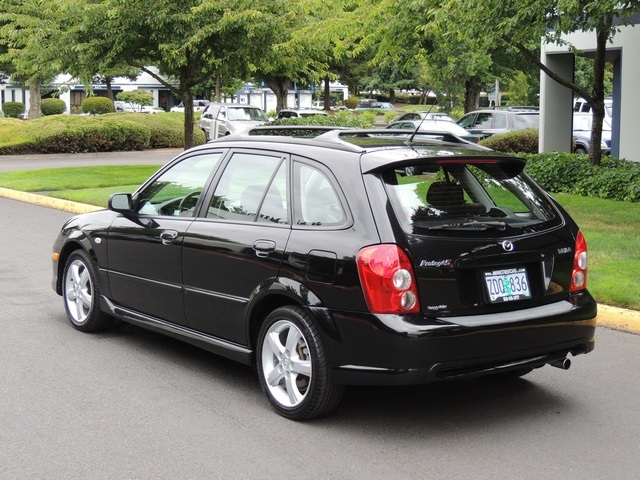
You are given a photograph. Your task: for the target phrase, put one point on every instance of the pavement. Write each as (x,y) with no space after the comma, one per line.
(608,316)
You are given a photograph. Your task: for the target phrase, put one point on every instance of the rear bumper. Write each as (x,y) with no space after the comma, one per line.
(367,349)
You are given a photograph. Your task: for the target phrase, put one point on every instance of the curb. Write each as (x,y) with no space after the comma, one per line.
(618,318)
(609,317)
(44,201)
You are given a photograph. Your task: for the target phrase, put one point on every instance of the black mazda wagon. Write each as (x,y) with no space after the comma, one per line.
(317,259)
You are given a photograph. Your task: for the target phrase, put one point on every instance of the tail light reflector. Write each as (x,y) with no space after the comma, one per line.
(387,279)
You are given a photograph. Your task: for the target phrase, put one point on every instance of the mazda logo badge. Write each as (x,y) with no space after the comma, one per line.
(507,245)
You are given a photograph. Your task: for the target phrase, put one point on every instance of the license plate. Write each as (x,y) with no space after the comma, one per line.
(507,285)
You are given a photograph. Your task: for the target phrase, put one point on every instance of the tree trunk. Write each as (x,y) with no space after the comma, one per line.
(280,86)
(327,94)
(107,80)
(35,91)
(597,106)
(218,87)
(187,99)
(392,95)
(471,95)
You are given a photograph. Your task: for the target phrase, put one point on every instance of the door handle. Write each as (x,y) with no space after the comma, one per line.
(167,236)
(264,247)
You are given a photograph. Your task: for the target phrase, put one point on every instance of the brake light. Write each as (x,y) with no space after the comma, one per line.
(387,279)
(579,274)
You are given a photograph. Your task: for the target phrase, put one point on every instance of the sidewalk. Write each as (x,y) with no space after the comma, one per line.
(610,317)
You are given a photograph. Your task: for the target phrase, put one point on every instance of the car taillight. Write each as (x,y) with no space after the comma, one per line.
(579,274)
(387,279)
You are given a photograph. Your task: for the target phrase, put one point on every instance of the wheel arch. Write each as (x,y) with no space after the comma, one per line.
(67,249)
(283,292)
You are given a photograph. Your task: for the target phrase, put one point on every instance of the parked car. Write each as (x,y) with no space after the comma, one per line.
(315,261)
(375,106)
(151,110)
(580,105)
(220,119)
(421,115)
(198,105)
(582,133)
(299,112)
(484,123)
(433,126)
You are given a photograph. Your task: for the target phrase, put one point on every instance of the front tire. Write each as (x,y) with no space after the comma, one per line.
(81,293)
(292,366)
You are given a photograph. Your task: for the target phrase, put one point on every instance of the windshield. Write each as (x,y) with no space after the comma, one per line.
(247,114)
(476,197)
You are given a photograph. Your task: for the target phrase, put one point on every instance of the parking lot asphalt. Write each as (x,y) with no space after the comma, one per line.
(608,316)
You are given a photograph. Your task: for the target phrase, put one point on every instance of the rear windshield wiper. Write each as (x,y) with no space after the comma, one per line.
(497,224)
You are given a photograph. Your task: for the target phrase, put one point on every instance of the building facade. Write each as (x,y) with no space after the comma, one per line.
(556,101)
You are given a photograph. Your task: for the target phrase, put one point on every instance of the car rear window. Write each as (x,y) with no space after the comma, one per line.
(477,197)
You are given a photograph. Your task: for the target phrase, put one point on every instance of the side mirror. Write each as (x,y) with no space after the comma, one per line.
(121,202)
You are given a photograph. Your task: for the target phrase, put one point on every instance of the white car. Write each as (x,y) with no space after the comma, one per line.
(427,126)
(198,105)
(299,112)
(421,115)
(220,119)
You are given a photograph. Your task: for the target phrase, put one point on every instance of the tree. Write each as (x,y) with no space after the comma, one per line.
(521,23)
(136,98)
(26,28)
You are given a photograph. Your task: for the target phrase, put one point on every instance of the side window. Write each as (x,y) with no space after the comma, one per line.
(485,120)
(467,121)
(252,188)
(222,113)
(500,120)
(317,202)
(176,191)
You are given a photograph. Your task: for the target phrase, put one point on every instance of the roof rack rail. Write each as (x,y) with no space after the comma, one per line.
(293,130)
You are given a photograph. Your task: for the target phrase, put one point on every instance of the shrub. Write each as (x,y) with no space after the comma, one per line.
(166,130)
(339,119)
(351,102)
(97,105)
(52,106)
(13,109)
(73,134)
(559,172)
(517,141)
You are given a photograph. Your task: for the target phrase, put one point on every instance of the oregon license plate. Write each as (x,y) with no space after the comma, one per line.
(507,285)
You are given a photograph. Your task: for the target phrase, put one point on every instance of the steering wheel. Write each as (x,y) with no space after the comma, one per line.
(184,205)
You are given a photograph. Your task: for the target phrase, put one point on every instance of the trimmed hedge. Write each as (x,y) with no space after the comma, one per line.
(52,106)
(97,105)
(103,135)
(167,129)
(517,141)
(13,109)
(339,119)
(614,179)
(83,133)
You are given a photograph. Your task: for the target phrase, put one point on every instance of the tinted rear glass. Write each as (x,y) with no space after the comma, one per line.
(475,197)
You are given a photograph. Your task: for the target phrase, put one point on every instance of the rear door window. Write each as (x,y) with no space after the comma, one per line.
(253,188)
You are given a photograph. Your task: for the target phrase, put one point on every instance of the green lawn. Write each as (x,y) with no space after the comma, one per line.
(611,228)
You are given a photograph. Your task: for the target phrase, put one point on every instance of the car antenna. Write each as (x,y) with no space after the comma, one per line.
(410,140)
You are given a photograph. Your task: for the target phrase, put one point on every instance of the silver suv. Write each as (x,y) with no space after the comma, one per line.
(220,119)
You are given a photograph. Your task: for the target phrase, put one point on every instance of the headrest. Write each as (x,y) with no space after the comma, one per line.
(445,194)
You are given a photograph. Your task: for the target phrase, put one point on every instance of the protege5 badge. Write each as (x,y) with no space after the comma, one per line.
(435,263)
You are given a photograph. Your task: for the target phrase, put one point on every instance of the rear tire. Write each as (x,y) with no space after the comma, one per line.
(81,294)
(292,366)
